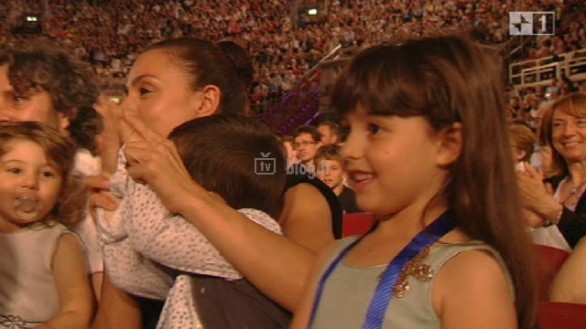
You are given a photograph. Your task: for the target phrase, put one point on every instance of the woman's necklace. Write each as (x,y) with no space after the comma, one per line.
(575,192)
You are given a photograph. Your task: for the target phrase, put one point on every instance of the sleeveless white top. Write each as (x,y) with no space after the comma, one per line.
(28,295)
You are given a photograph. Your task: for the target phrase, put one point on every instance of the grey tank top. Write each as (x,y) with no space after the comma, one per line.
(349,290)
(28,295)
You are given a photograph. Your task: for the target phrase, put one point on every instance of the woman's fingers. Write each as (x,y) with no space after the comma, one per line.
(110,111)
(97,182)
(533,192)
(103,200)
(531,218)
(159,165)
(99,192)
(141,130)
(151,158)
(532,172)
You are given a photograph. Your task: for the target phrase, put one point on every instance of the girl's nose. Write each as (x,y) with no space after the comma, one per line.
(30,181)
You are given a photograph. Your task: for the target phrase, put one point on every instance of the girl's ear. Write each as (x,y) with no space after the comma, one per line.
(209,101)
(450,147)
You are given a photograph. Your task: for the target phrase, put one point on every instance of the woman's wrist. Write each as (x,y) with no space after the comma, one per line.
(193,196)
(553,215)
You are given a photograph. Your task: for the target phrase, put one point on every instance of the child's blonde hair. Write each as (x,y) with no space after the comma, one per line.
(60,153)
(328,152)
(523,138)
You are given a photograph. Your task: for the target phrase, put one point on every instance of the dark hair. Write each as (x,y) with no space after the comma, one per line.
(206,64)
(446,80)
(334,127)
(574,104)
(60,153)
(223,153)
(69,82)
(4,57)
(311,130)
(287,139)
(241,60)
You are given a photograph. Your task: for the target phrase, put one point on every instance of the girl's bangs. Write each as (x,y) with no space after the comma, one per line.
(388,80)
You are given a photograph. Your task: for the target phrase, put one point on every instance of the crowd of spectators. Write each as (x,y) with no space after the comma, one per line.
(283,42)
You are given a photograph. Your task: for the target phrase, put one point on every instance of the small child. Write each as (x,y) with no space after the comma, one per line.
(145,246)
(43,276)
(523,140)
(428,154)
(330,170)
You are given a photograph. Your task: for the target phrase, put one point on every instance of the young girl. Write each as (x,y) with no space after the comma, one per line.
(428,153)
(43,277)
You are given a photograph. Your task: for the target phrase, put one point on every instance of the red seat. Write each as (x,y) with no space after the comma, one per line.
(562,315)
(550,260)
(357,224)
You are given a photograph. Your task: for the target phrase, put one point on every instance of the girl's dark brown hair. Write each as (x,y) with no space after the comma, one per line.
(60,153)
(450,79)
(70,83)
(573,104)
(206,64)
(223,153)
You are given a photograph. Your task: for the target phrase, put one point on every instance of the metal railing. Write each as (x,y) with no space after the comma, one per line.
(535,72)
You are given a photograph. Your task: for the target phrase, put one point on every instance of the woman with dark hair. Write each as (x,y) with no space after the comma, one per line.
(173,82)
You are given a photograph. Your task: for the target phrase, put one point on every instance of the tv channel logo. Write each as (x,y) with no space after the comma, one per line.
(531,23)
(265,165)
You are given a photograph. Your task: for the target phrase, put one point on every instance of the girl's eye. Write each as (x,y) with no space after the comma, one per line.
(581,122)
(14,170)
(373,128)
(48,174)
(144,91)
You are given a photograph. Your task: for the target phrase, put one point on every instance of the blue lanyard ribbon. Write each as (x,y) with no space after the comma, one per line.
(384,290)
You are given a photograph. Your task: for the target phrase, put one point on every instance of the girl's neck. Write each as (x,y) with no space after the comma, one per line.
(410,221)
(7,227)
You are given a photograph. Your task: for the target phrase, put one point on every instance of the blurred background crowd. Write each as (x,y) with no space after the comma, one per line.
(285,38)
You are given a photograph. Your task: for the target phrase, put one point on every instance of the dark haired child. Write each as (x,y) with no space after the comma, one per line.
(146,246)
(427,152)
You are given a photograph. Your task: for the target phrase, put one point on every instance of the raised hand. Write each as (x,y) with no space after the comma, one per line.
(154,159)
